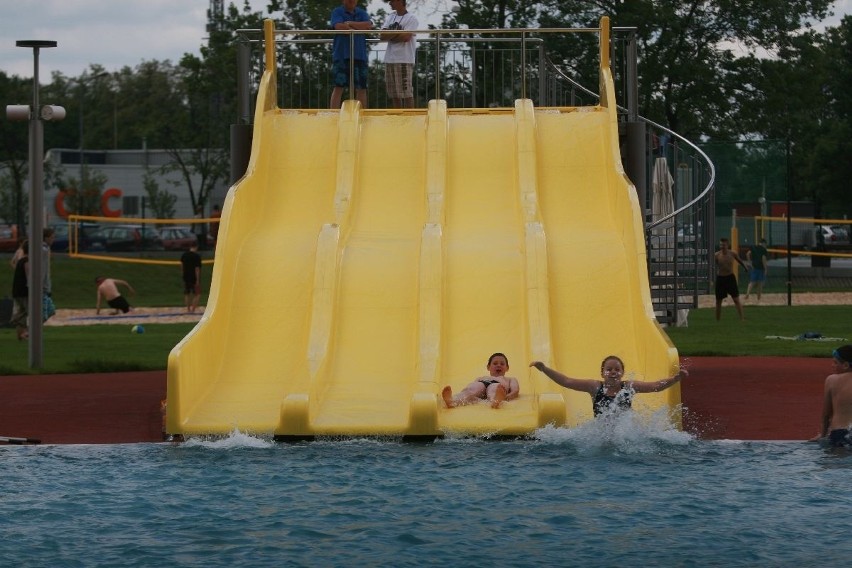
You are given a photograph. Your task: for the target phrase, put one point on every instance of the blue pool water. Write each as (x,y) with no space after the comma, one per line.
(618,493)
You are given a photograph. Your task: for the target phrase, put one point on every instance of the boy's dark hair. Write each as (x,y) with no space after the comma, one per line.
(844,353)
(497,355)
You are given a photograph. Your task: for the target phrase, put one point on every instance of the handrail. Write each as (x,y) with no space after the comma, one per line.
(698,150)
(700,196)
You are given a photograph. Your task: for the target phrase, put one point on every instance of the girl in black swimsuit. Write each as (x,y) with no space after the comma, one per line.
(612,389)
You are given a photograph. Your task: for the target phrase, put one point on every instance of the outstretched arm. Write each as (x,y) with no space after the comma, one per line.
(660,385)
(126,285)
(584,385)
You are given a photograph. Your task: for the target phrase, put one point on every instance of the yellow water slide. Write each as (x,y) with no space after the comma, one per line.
(368,258)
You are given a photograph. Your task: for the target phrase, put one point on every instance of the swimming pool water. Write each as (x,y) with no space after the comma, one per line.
(618,493)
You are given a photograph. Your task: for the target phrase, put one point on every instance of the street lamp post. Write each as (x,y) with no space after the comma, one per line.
(36,175)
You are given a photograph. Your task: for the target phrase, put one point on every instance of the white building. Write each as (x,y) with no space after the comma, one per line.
(124,190)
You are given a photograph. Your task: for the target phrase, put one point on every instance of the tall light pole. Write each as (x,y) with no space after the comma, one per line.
(36,175)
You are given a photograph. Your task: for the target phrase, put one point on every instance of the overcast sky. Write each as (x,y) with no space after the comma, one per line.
(118,33)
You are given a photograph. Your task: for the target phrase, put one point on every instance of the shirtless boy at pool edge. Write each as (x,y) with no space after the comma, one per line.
(837,403)
(496,387)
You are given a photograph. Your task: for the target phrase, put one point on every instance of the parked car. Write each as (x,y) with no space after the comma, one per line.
(178,238)
(831,236)
(841,233)
(129,238)
(8,238)
(87,237)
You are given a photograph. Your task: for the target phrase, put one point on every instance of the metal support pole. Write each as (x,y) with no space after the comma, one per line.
(80,184)
(241,132)
(789,230)
(632,64)
(635,159)
(36,256)
(36,264)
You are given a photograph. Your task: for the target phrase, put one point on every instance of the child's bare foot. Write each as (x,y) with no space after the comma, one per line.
(499,396)
(447,395)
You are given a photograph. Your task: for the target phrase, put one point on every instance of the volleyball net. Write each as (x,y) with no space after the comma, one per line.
(807,236)
(138,240)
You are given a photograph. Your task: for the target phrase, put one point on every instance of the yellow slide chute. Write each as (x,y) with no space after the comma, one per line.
(368,258)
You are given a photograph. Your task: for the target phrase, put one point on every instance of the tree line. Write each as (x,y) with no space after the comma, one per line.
(714,71)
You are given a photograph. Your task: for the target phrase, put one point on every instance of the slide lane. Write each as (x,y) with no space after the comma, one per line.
(368,373)
(248,351)
(600,299)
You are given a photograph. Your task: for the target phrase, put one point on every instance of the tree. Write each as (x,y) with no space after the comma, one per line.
(162,202)
(828,170)
(686,48)
(198,142)
(81,198)
(14,152)
(13,201)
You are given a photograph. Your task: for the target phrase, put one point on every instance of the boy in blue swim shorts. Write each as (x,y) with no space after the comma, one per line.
(349,16)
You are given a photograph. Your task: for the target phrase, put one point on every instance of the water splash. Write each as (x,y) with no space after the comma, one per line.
(234,440)
(623,431)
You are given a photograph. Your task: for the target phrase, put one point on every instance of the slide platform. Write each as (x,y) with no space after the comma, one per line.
(369,258)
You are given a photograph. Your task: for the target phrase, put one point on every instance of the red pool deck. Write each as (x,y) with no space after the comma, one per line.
(741,398)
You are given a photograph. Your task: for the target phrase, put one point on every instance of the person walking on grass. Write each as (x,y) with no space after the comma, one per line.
(726,278)
(21,293)
(757,258)
(190,262)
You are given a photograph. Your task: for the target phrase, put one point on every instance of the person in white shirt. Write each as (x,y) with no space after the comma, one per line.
(399,57)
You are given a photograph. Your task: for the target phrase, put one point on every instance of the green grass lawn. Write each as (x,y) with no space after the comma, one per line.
(93,349)
(73,280)
(112,348)
(729,337)
(109,348)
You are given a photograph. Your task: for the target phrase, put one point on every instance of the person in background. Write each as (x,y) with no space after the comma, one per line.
(726,279)
(48,307)
(400,54)
(757,257)
(108,290)
(348,16)
(200,228)
(612,391)
(216,214)
(190,262)
(495,387)
(20,252)
(21,293)
(837,402)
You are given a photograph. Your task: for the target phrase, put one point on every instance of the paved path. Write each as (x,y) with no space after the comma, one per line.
(745,398)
